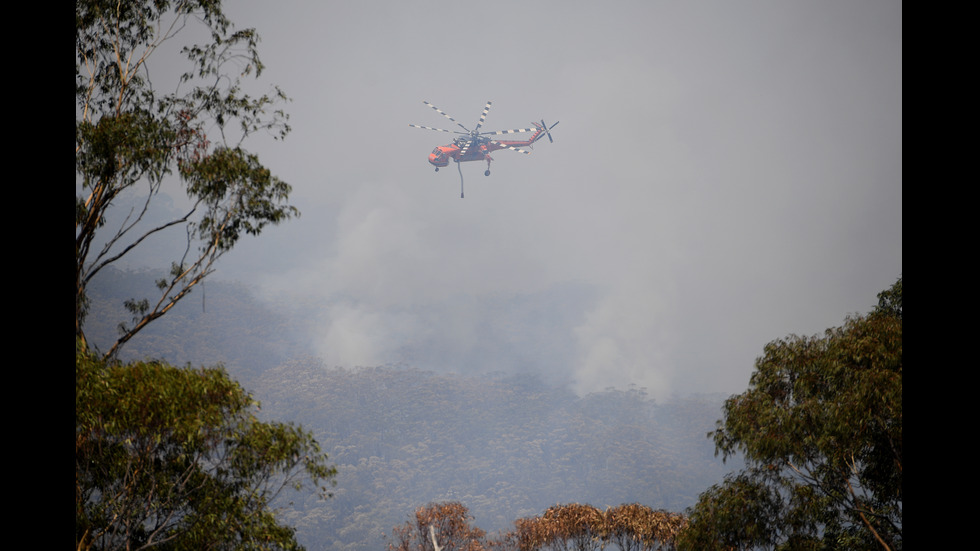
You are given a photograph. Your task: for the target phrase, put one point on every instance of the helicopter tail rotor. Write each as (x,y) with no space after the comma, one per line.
(547,130)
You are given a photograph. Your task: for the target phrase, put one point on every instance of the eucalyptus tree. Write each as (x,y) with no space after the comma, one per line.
(168,457)
(438,526)
(582,527)
(820,428)
(141,128)
(175,458)
(637,527)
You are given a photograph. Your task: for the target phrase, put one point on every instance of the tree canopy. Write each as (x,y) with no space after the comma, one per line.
(582,527)
(132,139)
(436,527)
(175,458)
(821,431)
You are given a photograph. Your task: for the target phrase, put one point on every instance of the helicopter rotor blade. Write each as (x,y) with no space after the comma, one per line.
(505,146)
(483,117)
(436,129)
(514,131)
(464,147)
(548,129)
(441,112)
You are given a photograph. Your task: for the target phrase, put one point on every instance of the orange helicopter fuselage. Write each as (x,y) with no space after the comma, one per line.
(441,155)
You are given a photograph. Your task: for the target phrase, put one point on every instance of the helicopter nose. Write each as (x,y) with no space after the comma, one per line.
(438,159)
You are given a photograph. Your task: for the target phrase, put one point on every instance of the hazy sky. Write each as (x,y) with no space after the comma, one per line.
(724,173)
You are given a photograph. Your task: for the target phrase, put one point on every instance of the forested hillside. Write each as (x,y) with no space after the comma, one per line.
(505,445)
(219,322)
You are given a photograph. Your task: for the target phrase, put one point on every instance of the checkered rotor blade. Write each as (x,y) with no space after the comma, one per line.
(464,147)
(514,131)
(430,128)
(441,112)
(483,117)
(505,146)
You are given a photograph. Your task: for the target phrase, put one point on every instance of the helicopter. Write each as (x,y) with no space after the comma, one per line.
(473,145)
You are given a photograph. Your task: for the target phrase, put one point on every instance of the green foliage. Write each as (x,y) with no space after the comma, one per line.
(738,514)
(129,134)
(176,458)
(821,430)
